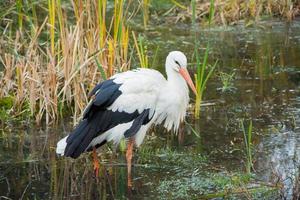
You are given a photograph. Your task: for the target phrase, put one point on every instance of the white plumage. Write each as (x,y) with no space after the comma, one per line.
(61,145)
(143,95)
(140,89)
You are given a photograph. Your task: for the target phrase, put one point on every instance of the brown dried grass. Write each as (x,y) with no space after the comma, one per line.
(48,76)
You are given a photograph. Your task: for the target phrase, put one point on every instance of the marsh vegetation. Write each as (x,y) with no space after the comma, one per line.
(241,137)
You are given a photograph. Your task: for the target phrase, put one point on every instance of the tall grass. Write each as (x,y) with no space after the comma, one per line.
(211,12)
(82,50)
(19,4)
(247,133)
(193,6)
(202,76)
(141,50)
(145,10)
(52,12)
(203,71)
(231,11)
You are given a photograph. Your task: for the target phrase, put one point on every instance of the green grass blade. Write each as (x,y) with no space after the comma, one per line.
(197,61)
(250,142)
(204,63)
(245,136)
(102,71)
(211,11)
(193,130)
(155,57)
(193,4)
(20,14)
(207,77)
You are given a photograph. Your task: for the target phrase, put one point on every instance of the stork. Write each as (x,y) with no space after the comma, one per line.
(127,105)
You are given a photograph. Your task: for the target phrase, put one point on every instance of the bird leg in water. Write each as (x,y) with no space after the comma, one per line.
(96,162)
(129,158)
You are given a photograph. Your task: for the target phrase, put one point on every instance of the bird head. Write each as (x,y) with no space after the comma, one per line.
(177,62)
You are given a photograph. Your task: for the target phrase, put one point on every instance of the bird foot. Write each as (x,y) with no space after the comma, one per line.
(129,159)
(96,168)
(129,182)
(96,163)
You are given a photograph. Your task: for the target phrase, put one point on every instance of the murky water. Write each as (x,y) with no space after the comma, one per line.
(266,66)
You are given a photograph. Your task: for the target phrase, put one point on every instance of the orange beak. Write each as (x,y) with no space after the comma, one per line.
(185,74)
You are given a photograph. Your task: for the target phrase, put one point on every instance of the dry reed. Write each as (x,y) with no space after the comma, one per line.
(231,11)
(48,79)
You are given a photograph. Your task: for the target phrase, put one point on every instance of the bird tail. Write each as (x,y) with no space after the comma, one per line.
(77,142)
(61,146)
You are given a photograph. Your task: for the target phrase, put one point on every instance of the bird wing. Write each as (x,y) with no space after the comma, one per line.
(126,97)
(130,91)
(140,89)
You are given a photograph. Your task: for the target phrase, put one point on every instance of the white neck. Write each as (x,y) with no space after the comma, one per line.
(173,100)
(174,95)
(175,80)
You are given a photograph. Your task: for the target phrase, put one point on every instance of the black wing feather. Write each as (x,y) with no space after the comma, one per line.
(103,97)
(101,85)
(97,119)
(142,119)
(105,94)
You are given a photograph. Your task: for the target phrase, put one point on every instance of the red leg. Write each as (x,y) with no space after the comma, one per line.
(96,162)
(129,158)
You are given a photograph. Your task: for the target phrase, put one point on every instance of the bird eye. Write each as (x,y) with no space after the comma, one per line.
(177,63)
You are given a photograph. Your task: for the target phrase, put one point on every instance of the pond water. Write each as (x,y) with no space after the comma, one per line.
(264,63)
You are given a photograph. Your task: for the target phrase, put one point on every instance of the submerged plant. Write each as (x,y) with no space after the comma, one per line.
(214,185)
(227,82)
(247,133)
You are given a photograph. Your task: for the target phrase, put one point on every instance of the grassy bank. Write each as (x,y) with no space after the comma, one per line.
(231,11)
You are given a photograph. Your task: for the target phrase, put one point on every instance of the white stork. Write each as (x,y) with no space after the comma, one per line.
(127,105)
